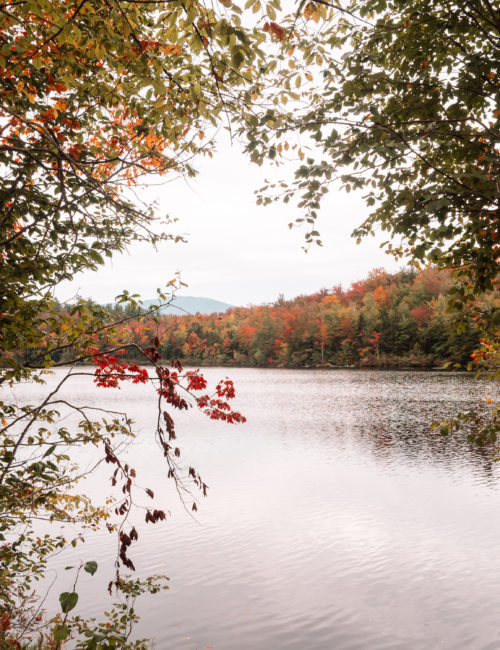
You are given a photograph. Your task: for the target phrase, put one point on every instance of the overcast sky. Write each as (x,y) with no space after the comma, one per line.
(238,252)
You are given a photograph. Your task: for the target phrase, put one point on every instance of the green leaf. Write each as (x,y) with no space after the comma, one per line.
(61,633)
(237,57)
(49,451)
(68,600)
(90,567)
(271,12)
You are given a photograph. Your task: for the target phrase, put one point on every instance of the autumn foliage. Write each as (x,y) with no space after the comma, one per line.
(385,320)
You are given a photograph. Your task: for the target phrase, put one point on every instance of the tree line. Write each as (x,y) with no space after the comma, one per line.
(386,320)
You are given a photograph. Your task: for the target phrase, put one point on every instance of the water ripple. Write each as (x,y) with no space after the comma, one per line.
(335,520)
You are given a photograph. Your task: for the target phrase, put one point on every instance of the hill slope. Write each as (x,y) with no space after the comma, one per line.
(191,305)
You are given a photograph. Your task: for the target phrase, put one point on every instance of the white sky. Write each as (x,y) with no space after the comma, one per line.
(239,252)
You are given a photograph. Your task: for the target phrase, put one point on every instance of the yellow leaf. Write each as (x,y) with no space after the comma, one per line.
(171,49)
(309,10)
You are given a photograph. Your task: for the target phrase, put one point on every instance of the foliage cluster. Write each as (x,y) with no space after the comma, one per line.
(401,101)
(386,320)
(95,95)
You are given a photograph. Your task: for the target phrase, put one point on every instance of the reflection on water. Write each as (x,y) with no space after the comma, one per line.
(335,518)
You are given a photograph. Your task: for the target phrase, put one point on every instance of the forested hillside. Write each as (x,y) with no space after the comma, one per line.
(385,320)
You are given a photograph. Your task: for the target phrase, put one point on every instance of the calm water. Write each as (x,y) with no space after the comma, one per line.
(335,518)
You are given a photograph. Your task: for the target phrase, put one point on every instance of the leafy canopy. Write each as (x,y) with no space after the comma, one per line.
(401,101)
(95,96)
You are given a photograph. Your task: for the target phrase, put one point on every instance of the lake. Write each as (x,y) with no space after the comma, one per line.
(335,518)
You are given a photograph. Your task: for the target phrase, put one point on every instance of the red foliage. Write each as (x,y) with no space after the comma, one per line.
(218,408)
(196,381)
(421,314)
(225,388)
(357,292)
(110,371)
(246,334)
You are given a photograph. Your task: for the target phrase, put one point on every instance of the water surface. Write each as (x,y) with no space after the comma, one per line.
(335,518)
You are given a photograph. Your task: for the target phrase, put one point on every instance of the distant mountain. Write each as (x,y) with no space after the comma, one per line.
(191,305)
